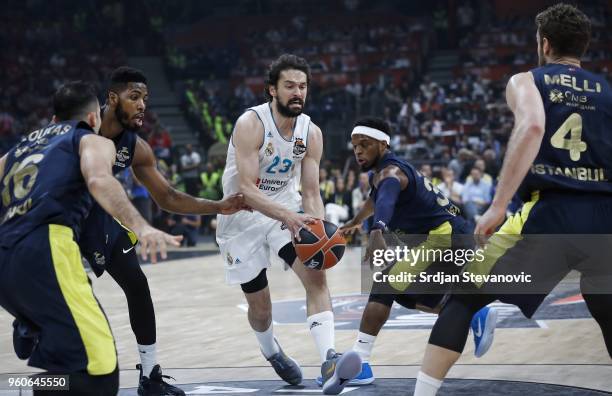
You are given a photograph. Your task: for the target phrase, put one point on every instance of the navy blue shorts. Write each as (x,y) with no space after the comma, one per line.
(99,238)
(554,233)
(43,283)
(410,296)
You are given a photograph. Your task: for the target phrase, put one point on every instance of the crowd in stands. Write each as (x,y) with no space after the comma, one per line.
(455,132)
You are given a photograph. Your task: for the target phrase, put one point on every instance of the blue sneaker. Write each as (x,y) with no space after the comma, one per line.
(365,377)
(483,326)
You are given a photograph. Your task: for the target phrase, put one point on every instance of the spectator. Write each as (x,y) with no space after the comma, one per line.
(190,162)
(450,187)
(476,196)
(141,199)
(339,206)
(480,164)
(185,225)
(211,182)
(161,143)
(326,186)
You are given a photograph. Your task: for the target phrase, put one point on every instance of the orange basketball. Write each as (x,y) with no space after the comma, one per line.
(322,247)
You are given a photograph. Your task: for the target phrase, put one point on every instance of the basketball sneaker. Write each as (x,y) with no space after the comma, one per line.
(24,339)
(483,327)
(338,370)
(154,384)
(286,368)
(365,377)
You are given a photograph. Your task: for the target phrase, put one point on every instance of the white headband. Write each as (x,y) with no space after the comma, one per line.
(371,132)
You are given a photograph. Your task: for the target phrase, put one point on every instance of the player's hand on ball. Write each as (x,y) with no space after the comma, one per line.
(296,221)
(350,227)
(232,204)
(153,241)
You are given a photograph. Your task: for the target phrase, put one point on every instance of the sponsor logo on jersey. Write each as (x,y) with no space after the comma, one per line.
(271,185)
(299,147)
(230,259)
(269,134)
(555,96)
(123,156)
(269,149)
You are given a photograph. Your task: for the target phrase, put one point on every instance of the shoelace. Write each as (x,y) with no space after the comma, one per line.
(168,376)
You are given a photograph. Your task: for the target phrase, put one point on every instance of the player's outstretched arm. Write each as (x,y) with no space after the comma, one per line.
(365,212)
(170,199)
(97,158)
(247,139)
(311,196)
(525,102)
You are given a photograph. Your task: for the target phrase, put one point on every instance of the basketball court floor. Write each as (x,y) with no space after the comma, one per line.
(204,339)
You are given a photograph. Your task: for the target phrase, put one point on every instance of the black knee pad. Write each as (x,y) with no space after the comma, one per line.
(288,254)
(260,282)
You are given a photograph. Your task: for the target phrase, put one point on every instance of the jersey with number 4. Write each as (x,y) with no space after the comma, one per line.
(279,158)
(42,182)
(576,152)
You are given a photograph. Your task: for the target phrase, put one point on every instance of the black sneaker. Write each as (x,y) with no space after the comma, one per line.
(25,339)
(338,370)
(154,385)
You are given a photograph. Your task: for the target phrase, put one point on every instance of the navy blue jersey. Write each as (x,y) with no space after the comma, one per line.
(420,207)
(576,152)
(42,182)
(100,229)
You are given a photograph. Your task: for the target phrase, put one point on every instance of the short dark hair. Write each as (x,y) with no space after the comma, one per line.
(374,122)
(285,62)
(567,29)
(121,76)
(73,100)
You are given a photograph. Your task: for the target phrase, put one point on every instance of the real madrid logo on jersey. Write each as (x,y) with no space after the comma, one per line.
(299,147)
(122,156)
(269,149)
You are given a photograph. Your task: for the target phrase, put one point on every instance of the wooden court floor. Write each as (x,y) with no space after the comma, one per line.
(203,334)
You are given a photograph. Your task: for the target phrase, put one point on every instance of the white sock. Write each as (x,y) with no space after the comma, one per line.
(266,342)
(363,346)
(321,327)
(148,358)
(426,385)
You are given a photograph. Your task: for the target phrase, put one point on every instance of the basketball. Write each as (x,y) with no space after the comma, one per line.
(322,247)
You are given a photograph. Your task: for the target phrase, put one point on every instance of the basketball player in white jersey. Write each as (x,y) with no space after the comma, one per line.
(273,147)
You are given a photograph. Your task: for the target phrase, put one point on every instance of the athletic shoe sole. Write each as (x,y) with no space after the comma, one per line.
(347,368)
(361,381)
